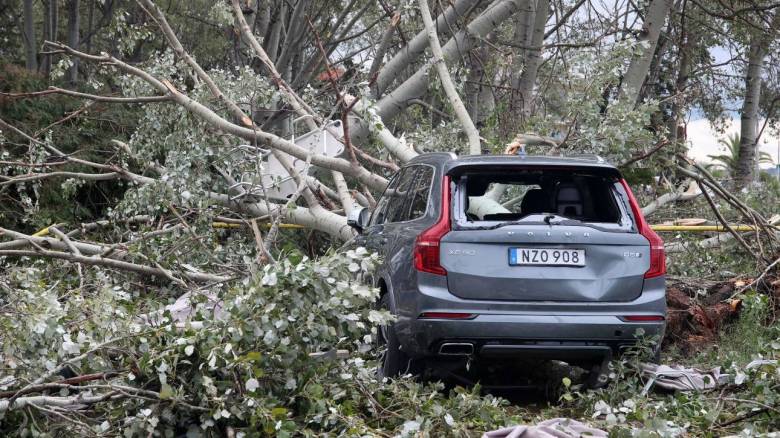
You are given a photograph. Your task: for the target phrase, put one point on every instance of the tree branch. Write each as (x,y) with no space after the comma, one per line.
(446,81)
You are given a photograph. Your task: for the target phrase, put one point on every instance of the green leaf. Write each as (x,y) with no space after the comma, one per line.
(279,413)
(253,356)
(166,392)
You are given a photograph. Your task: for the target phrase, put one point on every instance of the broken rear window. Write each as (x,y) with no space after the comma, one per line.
(514,195)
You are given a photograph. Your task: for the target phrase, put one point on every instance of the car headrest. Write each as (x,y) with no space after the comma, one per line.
(535,201)
(477,186)
(568,200)
(568,194)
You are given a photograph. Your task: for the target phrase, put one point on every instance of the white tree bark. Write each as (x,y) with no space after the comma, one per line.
(655,16)
(45,400)
(524,87)
(711,242)
(370,179)
(319,219)
(446,81)
(414,87)
(757,51)
(375,126)
(691,192)
(414,48)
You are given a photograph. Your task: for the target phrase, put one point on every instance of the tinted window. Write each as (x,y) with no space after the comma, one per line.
(398,199)
(380,212)
(419,196)
(509,196)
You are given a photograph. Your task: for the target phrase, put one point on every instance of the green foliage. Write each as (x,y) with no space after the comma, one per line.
(627,412)
(31,206)
(243,363)
(730,159)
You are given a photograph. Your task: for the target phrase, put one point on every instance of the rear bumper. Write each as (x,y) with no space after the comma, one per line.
(531,336)
(547,330)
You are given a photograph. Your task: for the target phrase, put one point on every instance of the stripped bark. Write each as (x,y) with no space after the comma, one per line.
(682,194)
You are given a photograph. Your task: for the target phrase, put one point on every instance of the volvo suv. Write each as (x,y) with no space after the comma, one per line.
(513,257)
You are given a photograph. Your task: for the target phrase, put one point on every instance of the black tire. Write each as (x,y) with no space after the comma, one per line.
(392,362)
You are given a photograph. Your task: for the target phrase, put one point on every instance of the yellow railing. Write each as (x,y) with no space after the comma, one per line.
(702,228)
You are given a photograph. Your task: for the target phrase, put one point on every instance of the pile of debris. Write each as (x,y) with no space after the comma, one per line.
(699,309)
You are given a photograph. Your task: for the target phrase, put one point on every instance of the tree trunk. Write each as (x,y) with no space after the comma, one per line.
(533,58)
(746,161)
(263,18)
(384,44)
(655,16)
(90,25)
(275,34)
(30,44)
(446,81)
(748,144)
(54,16)
(294,38)
(73,38)
(46,59)
(479,92)
(417,45)
(687,43)
(414,87)
(523,26)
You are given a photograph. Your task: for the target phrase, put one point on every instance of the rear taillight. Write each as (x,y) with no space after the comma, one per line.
(426,247)
(657,254)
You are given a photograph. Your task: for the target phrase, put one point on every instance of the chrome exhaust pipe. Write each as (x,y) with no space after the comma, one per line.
(456,349)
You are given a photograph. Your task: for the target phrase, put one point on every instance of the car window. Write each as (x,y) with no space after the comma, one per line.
(398,199)
(420,192)
(380,212)
(513,195)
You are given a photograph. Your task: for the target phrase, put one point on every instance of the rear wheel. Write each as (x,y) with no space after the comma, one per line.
(392,361)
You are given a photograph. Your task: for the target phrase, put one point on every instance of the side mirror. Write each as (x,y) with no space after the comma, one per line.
(358,219)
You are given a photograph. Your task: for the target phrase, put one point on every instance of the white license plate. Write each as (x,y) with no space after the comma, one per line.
(546,257)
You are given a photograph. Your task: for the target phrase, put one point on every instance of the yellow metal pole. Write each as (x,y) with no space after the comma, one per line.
(702,228)
(267,225)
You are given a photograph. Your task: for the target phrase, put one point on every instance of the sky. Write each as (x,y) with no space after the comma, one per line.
(703,140)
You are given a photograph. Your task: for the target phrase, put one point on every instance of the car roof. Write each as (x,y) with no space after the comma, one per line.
(450,161)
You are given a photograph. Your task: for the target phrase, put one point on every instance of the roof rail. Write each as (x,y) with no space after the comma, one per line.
(591,157)
(452,155)
(424,155)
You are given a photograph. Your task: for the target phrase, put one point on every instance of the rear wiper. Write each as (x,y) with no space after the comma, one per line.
(562,222)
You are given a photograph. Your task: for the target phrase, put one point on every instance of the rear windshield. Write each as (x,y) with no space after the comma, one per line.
(538,194)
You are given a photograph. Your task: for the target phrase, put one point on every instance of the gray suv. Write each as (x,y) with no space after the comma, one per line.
(516,257)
